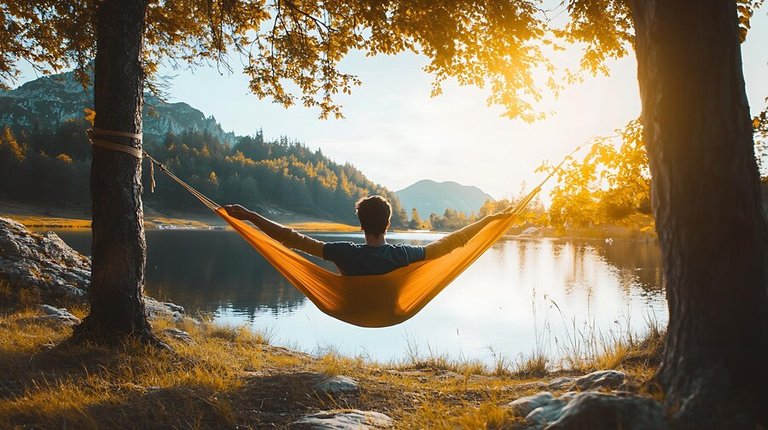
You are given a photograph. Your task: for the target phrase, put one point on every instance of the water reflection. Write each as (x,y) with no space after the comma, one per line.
(520,287)
(208,270)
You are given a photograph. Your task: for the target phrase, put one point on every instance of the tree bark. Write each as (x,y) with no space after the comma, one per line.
(709,218)
(119,247)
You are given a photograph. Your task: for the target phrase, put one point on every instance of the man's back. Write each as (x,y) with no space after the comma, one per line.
(358,259)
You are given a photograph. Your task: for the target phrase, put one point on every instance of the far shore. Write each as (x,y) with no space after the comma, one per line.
(41,218)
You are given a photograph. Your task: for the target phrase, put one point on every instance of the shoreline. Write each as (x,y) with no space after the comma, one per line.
(41,218)
(235,377)
(43,223)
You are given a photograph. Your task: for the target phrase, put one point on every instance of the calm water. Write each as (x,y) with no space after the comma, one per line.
(522,295)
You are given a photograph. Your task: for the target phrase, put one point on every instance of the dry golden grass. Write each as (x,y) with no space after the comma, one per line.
(17,298)
(37,222)
(231,376)
(596,350)
(47,222)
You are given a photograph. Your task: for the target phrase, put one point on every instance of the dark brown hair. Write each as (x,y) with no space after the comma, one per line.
(374,213)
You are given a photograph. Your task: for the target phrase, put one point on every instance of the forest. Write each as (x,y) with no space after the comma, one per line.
(52,168)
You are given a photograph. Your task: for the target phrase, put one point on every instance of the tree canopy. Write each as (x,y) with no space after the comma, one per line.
(291,49)
(610,185)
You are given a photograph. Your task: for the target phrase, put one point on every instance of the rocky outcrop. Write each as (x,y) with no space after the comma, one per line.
(42,264)
(337,385)
(589,410)
(609,379)
(178,334)
(344,420)
(44,269)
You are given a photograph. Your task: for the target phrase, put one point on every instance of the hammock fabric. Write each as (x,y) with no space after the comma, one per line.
(366,301)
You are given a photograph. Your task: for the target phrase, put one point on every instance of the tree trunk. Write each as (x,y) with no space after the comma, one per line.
(708,215)
(119,247)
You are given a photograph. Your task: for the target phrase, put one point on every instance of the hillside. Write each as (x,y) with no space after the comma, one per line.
(428,197)
(45,159)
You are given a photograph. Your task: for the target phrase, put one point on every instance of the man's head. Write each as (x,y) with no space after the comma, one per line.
(374,213)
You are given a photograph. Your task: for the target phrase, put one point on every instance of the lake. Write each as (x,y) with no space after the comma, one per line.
(523,295)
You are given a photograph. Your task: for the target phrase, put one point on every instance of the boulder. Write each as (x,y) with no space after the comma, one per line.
(540,409)
(589,410)
(524,405)
(178,334)
(42,263)
(611,379)
(54,272)
(348,419)
(561,382)
(51,316)
(593,410)
(156,309)
(337,385)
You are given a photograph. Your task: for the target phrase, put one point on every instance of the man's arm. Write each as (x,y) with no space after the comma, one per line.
(458,238)
(285,235)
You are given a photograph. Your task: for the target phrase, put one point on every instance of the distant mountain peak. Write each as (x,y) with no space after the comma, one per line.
(429,196)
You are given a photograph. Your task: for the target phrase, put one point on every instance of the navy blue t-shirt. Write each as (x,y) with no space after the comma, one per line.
(359,259)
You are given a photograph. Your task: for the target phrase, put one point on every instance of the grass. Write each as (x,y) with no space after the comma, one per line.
(32,221)
(232,376)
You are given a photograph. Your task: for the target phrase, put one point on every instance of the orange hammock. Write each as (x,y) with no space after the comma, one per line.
(366,301)
(373,300)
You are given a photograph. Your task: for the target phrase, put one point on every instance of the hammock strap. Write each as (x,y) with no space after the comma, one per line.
(210,204)
(94,135)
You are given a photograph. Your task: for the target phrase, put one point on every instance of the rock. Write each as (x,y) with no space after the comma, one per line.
(546,413)
(344,420)
(589,410)
(602,378)
(337,385)
(548,408)
(55,272)
(51,316)
(530,231)
(178,334)
(593,410)
(42,263)
(610,379)
(561,382)
(524,405)
(157,309)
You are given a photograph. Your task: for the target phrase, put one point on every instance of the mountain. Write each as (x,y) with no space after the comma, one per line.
(428,196)
(46,103)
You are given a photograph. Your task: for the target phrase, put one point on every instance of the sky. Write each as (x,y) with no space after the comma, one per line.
(396,134)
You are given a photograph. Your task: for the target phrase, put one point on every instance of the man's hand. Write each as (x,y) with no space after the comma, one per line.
(237,211)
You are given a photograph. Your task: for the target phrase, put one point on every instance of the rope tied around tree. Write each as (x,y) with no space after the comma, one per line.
(95,134)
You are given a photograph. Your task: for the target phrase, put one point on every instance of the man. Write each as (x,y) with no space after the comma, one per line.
(376,256)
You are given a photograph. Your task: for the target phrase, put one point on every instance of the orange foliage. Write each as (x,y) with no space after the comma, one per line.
(610,185)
